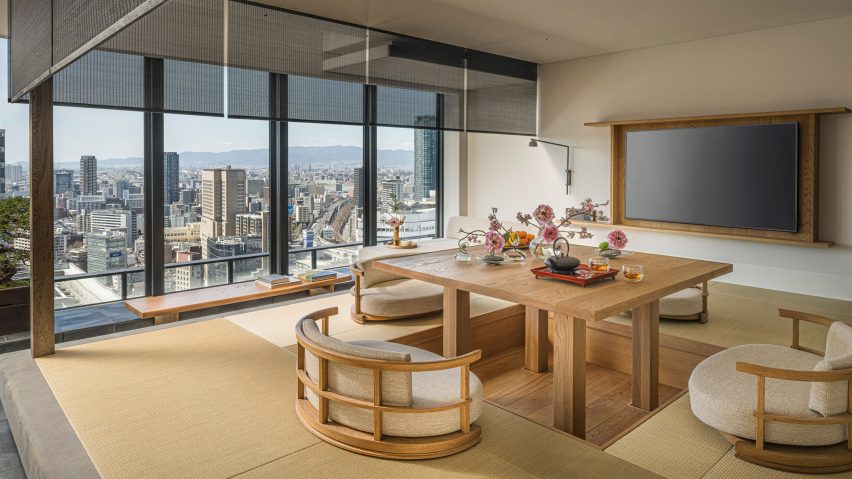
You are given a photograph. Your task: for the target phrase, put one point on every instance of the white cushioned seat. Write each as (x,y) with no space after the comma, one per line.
(725,399)
(427,389)
(830,398)
(683,303)
(402,297)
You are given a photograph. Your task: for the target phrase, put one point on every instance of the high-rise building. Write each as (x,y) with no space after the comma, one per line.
(223,197)
(358,189)
(88,175)
(63,181)
(255,225)
(2,163)
(105,251)
(113,220)
(424,158)
(392,189)
(14,174)
(189,277)
(172,176)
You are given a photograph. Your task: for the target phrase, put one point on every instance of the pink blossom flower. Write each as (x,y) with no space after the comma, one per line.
(393,222)
(617,239)
(588,206)
(543,214)
(494,225)
(550,233)
(494,242)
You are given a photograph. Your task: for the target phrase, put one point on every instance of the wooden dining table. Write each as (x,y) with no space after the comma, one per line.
(573,306)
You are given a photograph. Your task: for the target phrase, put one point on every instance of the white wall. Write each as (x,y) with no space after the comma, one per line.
(800,66)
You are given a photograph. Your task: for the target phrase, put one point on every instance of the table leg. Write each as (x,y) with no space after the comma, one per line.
(535,338)
(456,322)
(569,375)
(646,356)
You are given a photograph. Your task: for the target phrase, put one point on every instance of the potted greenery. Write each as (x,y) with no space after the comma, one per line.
(14,294)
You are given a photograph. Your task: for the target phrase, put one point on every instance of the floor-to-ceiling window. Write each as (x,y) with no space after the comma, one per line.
(99,209)
(216,207)
(325,195)
(407,181)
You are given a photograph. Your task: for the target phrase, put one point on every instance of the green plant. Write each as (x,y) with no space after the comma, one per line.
(14,223)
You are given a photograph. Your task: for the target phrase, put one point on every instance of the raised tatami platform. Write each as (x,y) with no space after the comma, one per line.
(211,399)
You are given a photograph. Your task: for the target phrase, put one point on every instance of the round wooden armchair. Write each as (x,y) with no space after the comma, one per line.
(384,399)
(783,408)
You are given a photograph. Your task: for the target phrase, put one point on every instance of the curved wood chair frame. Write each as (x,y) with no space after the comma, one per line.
(361,317)
(377,444)
(800,459)
(702,316)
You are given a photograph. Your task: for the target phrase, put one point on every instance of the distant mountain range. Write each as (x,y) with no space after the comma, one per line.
(298,155)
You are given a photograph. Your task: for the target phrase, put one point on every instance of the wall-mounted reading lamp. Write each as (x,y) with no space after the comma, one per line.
(534,143)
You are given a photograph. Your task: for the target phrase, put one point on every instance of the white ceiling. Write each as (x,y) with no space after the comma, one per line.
(552,30)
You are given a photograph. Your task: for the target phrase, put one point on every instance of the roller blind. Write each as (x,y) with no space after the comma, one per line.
(322,64)
(282,65)
(501,94)
(48,34)
(415,79)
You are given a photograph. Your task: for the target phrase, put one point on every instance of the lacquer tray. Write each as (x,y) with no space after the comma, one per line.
(544,272)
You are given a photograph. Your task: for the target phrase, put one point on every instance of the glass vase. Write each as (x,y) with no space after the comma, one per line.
(541,249)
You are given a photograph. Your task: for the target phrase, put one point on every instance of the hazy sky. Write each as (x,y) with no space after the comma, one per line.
(118,134)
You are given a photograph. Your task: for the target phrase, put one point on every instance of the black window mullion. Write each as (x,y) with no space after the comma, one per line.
(439,166)
(279,166)
(370,167)
(154,179)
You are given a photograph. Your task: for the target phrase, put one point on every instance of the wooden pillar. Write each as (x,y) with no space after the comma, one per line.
(43,340)
(646,356)
(535,340)
(569,375)
(456,322)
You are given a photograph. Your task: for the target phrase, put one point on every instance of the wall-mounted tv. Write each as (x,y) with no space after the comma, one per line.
(729,176)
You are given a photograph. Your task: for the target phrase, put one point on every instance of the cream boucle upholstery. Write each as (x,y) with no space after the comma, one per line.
(433,388)
(725,399)
(357,382)
(683,303)
(829,399)
(402,297)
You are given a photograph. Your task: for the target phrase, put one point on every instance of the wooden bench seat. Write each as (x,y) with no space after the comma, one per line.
(166,308)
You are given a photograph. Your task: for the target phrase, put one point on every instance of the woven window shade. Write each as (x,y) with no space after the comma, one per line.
(281,66)
(324,62)
(501,94)
(410,73)
(79,21)
(30,53)
(187,35)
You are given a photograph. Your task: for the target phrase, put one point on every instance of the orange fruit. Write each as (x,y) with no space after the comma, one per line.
(521,234)
(530,236)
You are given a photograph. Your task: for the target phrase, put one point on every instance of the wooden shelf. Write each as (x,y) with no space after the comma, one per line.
(814,244)
(813,111)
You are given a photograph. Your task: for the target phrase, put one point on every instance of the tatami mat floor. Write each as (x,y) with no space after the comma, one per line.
(672,443)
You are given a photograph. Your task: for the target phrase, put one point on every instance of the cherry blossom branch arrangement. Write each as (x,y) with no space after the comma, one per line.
(543,218)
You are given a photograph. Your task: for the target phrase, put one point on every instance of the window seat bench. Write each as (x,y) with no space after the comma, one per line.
(166,308)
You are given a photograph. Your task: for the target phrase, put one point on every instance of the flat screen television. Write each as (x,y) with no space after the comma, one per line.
(730,176)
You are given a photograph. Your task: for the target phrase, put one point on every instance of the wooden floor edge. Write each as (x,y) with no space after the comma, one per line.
(643,420)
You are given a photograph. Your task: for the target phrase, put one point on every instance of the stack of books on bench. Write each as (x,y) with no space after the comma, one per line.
(313,275)
(276,280)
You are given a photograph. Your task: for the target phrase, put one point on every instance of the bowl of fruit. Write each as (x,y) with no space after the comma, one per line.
(514,242)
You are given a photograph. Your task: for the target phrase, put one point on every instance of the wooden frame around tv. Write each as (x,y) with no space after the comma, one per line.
(808,173)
